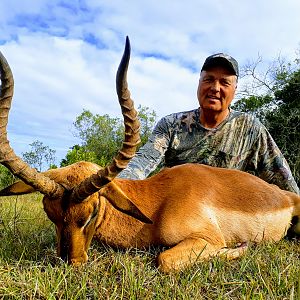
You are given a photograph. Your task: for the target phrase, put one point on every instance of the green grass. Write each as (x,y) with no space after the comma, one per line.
(29,268)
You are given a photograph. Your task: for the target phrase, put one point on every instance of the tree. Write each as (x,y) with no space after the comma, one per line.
(265,82)
(283,122)
(39,155)
(102,136)
(6,177)
(258,105)
(278,106)
(78,153)
(147,118)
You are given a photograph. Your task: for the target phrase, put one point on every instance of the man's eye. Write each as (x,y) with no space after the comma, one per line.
(226,83)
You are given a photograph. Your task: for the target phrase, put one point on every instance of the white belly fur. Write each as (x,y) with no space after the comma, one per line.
(239,226)
(231,226)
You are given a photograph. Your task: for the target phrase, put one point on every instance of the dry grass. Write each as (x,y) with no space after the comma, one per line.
(29,268)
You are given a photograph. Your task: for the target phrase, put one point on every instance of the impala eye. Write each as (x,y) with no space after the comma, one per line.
(82,222)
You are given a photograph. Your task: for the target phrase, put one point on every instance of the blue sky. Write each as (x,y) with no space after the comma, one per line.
(64,55)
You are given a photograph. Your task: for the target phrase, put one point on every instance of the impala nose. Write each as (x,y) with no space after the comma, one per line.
(64,246)
(75,259)
(78,261)
(64,253)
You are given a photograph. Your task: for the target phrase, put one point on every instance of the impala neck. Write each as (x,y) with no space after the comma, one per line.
(119,229)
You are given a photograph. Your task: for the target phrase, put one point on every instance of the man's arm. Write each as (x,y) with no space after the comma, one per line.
(272,166)
(150,155)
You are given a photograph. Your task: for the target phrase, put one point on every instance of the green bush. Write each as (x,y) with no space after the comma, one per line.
(6,177)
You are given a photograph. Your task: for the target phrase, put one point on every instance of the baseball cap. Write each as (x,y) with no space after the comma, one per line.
(221,59)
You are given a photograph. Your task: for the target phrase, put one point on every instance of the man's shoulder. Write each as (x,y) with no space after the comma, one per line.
(177,118)
(237,116)
(182,114)
(247,119)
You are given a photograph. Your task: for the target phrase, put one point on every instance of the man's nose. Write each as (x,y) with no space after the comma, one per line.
(215,86)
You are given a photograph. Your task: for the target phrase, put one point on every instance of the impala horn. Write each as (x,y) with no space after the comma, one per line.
(8,158)
(131,138)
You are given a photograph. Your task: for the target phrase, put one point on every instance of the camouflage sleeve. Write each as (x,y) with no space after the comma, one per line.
(150,155)
(271,164)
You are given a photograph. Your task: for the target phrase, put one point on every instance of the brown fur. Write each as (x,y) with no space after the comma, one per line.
(197,211)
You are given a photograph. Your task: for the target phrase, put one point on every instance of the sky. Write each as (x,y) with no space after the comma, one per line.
(64,55)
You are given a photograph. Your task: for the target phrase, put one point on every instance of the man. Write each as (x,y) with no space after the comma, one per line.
(214,134)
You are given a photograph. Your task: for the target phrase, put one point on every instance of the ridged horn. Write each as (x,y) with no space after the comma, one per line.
(8,158)
(131,137)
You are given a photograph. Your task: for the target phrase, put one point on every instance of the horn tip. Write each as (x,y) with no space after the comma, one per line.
(127,43)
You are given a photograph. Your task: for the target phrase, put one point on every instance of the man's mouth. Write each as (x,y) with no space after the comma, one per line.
(213,97)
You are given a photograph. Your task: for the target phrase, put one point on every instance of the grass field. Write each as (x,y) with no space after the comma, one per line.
(29,268)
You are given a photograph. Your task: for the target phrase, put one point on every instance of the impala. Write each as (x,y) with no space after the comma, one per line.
(195,211)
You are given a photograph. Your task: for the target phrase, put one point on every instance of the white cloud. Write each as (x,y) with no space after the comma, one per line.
(64,55)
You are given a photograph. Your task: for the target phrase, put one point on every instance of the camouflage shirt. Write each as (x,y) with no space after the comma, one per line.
(239,142)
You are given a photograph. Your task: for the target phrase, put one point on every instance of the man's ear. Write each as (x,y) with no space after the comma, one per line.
(17,188)
(121,202)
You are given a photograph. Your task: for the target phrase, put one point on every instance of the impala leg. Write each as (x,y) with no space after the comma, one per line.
(186,253)
(232,253)
(191,250)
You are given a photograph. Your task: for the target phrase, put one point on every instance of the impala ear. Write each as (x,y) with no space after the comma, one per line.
(121,202)
(17,188)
